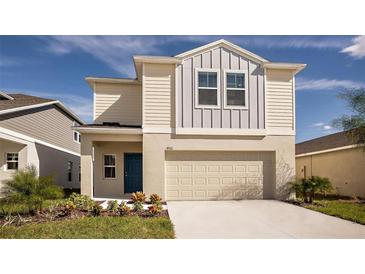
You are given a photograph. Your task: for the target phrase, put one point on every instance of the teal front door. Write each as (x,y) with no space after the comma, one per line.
(132,172)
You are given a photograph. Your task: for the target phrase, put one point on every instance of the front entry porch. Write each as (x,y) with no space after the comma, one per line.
(111,165)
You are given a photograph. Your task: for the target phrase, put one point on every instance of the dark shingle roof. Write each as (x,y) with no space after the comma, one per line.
(22,100)
(323,143)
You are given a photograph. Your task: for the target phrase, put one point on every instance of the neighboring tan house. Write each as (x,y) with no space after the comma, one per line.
(38,131)
(216,122)
(336,157)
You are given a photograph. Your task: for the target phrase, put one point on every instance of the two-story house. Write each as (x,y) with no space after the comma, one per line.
(216,122)
(38,131)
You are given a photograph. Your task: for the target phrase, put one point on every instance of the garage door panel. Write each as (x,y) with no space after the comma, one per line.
(211,180)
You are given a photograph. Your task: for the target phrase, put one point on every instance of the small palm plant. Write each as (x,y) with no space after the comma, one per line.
(28,188)
(307,188)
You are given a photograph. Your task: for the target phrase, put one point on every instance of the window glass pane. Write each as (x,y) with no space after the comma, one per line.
(12,156)
(12,165)
(75,136)
(207,97)
(109,172)
(212,79)
(240,80)
(235,97)
(235,80)
(109,160)
(203,79)
(230,80)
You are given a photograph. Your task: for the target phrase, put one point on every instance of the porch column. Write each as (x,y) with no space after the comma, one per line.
(87,179)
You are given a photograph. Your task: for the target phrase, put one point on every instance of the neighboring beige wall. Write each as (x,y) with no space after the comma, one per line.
(55,162)
(156,145)
(48,124)
(111,188)
(117,102)
(158,103)
(8,146)
(344,168)
(279,99)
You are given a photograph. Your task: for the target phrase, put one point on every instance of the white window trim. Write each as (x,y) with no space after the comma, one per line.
(225,89)
(115,166)
(196,91)
(6,161)
(78,137)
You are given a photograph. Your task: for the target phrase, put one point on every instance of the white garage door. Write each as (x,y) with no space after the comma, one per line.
(213,180)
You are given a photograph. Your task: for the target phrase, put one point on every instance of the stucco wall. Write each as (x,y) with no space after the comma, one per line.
(111,188)
(344,168)
(156,145)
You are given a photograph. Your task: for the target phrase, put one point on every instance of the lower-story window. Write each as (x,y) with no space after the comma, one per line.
(12,160)
(109,166)
(69,171)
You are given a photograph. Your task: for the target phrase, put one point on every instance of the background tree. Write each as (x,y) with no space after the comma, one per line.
(353,124)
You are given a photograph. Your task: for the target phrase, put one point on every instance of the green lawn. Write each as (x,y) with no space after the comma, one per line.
(345,209)
(15,208)
(132,227)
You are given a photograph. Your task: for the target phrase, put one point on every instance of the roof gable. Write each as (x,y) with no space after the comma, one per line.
(225,44)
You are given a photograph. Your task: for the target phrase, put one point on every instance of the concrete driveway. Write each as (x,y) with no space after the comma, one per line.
(256,219)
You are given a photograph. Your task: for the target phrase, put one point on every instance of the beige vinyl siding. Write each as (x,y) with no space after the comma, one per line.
(48,124)
(279,99)
(115,102)
(158,85)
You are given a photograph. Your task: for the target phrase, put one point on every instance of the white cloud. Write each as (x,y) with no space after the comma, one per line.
(115,51)
(357,49)
(7,61)
(322,126)
(81,105)
(326,84)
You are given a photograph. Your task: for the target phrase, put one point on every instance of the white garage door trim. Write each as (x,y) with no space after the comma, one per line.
(213,180)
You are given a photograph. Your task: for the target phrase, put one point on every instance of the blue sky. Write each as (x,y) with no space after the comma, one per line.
(55,67)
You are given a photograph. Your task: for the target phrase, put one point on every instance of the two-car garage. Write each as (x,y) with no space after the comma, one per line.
(219,175)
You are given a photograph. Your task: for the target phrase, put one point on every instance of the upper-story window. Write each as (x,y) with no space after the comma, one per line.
(207,88)
(76,135)
(235,89)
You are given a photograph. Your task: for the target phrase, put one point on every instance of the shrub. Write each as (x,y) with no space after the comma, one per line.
(138,197)
(32,190)
(124,210)
(69,207)
(154,198)
(307,188)
(155,209)
(82,202)
(113,206)
(96,209)
(137,207)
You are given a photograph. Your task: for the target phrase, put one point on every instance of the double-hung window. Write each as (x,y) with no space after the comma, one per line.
(235,89)
(12,161)
(207,88)
(109,166)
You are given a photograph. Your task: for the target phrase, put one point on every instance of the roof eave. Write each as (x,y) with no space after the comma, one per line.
(233,47)
(55,102)
(296,67)
(108,130)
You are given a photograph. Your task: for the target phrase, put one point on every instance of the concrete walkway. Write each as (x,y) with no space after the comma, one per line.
(256,219)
